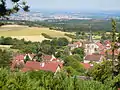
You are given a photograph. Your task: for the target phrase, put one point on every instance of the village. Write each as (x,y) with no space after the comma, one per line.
(94,52)
(59,45)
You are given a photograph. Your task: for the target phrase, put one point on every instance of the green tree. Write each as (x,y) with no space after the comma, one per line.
(48,49)
(43,80)
(5,58)
(101,71)
(80,52)
(27,58)
(66,51)
(75,64)
(70,71)
(78,57)
(62,42)
(107,71)
(7,41)
(5,11)
(118,38)
(54,42)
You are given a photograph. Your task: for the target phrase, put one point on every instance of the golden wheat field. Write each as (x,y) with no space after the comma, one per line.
(29,33)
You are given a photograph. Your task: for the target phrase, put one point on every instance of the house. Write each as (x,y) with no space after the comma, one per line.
(75,45)
(20,57)
(79,44)
(109,52)
(18,60)
(107,44)
(48,58)
(52,66)
(72,46)
(86,65)
(100,46)
(93,58)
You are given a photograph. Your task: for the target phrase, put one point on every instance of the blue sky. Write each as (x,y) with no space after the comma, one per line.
(75,4)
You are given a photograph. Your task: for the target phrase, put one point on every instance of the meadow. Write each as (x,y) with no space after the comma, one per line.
(29,33)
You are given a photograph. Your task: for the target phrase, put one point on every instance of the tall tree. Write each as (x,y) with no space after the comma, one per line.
(118,38)
(17,5)
(113,46)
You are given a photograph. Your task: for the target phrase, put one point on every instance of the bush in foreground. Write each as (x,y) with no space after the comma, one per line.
(41,80)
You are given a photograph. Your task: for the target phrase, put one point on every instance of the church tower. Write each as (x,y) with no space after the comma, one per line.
(90,46)
(90,39)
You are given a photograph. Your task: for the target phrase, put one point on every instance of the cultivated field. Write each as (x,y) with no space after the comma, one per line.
(28,33)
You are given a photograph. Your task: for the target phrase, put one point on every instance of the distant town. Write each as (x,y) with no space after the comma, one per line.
(64,15)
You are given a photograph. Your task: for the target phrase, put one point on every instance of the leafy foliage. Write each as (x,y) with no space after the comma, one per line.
(70,35)
(47,36)
(5,58)
(108,71)
(41,80)
(79,53)
(75,64)
(100,71)
(5,11)
(62,42)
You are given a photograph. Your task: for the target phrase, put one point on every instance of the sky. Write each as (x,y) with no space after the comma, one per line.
(106,5)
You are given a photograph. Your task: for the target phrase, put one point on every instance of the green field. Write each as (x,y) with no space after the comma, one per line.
(97,37)
(29,33)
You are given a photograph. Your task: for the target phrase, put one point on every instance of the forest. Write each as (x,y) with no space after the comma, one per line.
(68,25)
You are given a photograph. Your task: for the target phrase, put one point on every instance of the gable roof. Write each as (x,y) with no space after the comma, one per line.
(109,52)
(78,43)
(93,57)
(72,45)
(47,57)
(19,57)
(22,56)
(107,42)
(100,45)
(49,66)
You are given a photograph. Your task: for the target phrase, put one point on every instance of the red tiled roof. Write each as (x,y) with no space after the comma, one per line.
(46,57)
(101,47)
(102,53)
(55,59)
(19,57)
(107,42)
(49,66)
(78,43)
(93,57)
(116,52)
(86,65)
(109,52)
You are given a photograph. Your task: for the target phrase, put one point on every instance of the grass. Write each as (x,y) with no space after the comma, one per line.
(97,37)
(7,47)
(29,32)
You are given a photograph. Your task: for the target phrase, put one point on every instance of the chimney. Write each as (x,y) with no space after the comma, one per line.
(42,64)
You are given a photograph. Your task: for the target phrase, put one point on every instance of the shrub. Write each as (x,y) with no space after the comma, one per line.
(70,36)
(46,36)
